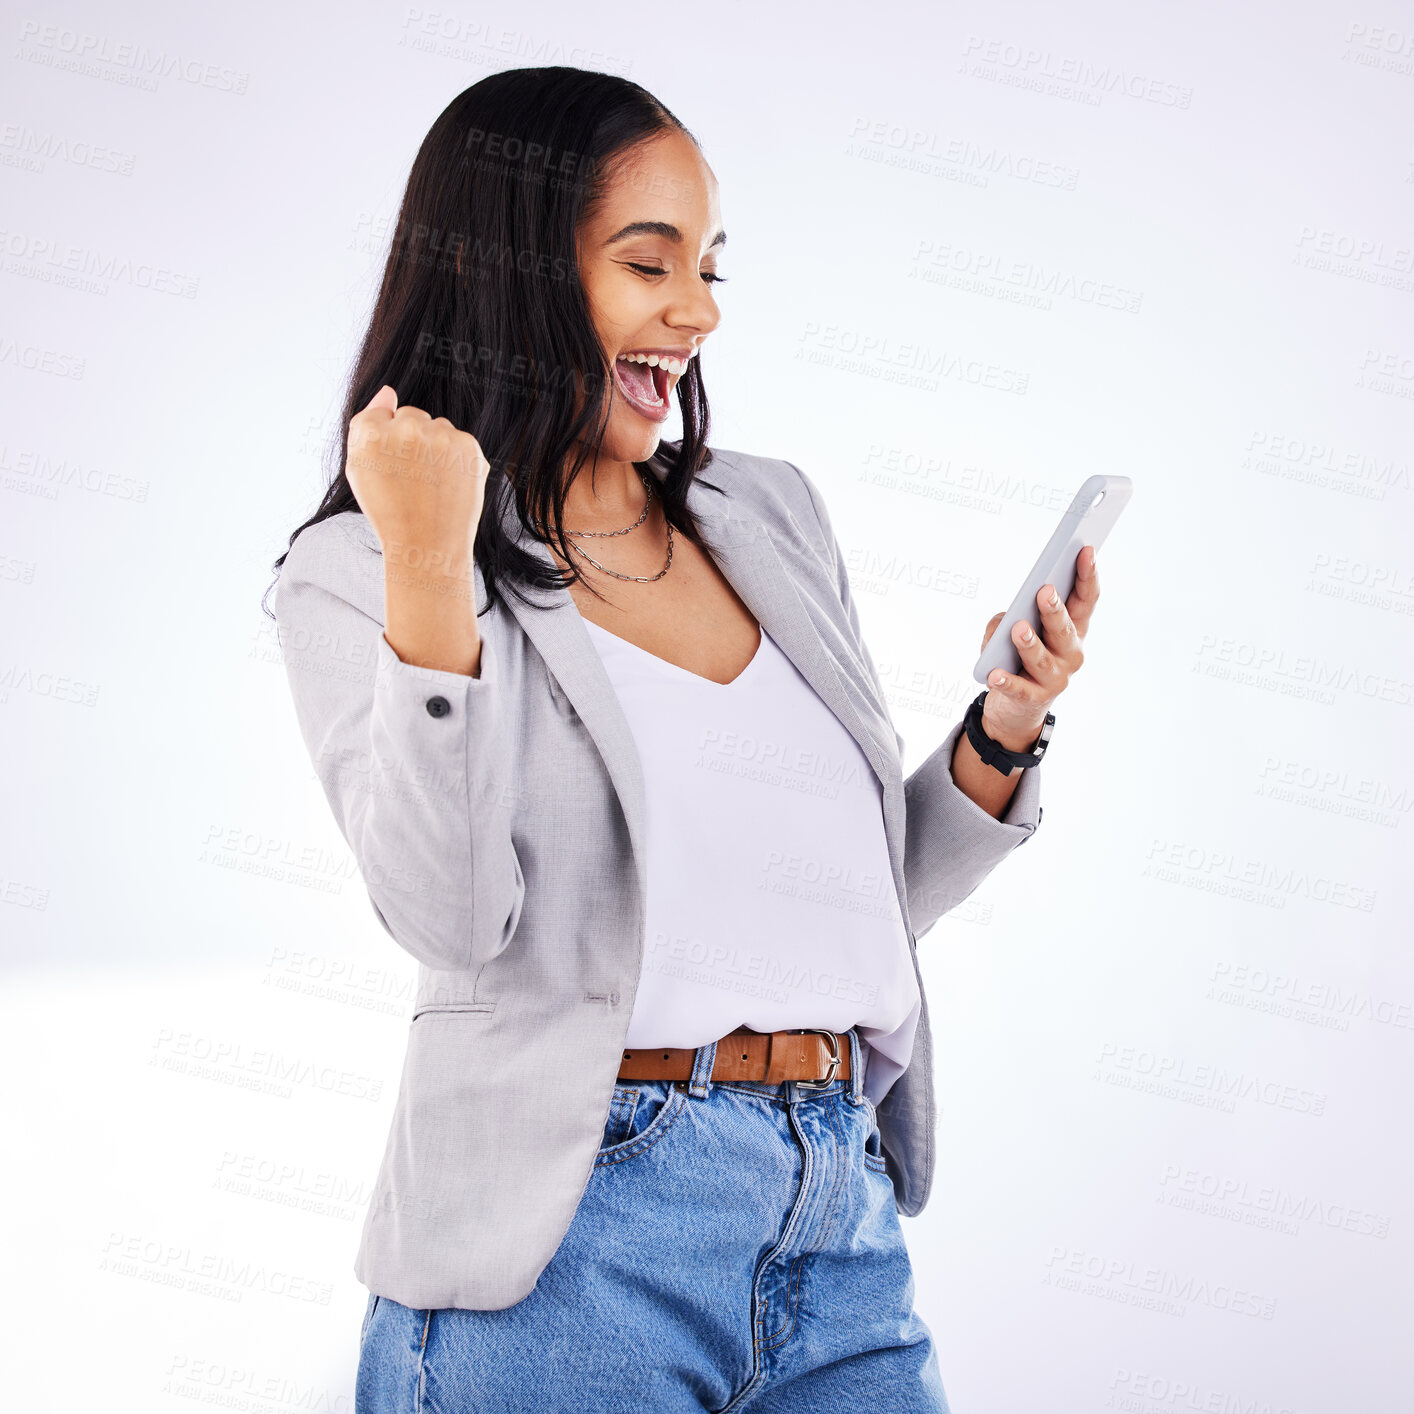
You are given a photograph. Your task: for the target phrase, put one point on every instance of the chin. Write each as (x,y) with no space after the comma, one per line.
(631,439)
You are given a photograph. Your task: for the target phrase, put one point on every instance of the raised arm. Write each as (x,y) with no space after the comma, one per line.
(404,727)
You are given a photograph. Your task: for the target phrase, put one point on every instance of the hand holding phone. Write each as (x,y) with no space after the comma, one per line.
(1023,700)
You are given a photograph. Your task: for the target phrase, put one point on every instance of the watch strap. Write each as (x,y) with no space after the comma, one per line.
(993,753)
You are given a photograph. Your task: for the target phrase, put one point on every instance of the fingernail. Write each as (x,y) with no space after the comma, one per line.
(999,680)
(1026,634)
(1055,598)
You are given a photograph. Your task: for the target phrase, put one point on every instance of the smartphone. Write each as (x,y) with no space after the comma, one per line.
(1087,520)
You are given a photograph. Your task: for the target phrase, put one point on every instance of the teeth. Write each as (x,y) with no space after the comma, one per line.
(675,366)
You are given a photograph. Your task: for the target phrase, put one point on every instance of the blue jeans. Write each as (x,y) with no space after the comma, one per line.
(737,1248)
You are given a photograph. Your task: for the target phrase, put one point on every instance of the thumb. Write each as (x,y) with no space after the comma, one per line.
(385,397)
(992,626)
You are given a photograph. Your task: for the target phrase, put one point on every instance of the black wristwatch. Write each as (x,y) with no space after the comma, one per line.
(996,755)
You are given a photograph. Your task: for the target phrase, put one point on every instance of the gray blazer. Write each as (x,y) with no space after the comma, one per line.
(500,834)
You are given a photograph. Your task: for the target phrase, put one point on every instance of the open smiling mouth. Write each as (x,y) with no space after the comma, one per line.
(644,386)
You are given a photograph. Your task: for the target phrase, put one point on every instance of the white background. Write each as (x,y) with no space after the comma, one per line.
(976,254)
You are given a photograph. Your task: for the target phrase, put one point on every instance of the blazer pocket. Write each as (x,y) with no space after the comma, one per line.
(455,1009)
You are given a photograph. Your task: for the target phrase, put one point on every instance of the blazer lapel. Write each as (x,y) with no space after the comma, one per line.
(748,557)
(754,568)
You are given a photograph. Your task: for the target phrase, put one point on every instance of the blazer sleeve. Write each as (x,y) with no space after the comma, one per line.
(951,842)
(416,790)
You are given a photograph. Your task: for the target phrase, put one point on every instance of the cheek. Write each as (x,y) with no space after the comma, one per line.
(603,296)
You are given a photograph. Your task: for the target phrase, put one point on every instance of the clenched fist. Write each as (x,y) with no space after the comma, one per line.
(420,481)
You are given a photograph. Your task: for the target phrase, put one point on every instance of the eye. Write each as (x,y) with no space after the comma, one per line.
(707,275)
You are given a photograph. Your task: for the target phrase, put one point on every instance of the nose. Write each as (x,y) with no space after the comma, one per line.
(691,308)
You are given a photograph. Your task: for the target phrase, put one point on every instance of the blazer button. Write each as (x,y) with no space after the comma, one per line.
(438,706)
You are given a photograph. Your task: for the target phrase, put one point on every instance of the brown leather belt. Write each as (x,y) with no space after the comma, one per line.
(767,1057)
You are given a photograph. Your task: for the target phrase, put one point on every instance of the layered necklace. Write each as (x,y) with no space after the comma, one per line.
(605,534)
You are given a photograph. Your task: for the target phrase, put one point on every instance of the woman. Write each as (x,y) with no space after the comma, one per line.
(618,772)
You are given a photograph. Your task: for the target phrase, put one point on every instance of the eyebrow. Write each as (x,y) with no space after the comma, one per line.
(659,228)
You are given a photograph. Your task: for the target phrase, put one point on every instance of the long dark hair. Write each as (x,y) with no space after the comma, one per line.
(482,318)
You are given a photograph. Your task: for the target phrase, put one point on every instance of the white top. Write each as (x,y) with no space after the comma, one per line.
(771,902)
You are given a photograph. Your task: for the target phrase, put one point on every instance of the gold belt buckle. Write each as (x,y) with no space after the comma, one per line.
(834,1055)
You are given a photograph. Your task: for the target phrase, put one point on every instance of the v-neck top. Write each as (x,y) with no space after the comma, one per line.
(771,901)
